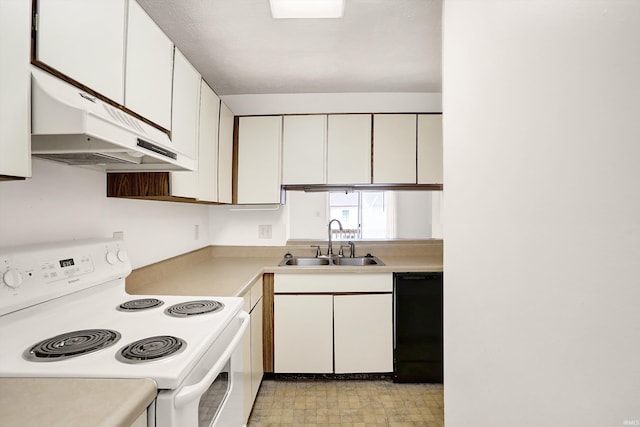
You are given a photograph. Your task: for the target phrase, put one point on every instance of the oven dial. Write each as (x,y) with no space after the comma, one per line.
(111,257)
(122,256)
(12,278)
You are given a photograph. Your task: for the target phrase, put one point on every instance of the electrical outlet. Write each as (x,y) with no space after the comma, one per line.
(196,232)
(264,231)
(118,235)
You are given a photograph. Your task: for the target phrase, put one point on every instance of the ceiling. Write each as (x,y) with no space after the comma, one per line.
(378,46)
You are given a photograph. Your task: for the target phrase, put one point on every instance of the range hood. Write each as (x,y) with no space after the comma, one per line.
(76,128)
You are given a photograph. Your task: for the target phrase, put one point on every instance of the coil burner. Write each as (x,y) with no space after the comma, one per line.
(140,304)
(193,308)
(71,344)
(150,349)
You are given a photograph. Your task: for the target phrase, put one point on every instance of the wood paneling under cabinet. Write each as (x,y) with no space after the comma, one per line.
(145,185)
(138,184)
(267,321)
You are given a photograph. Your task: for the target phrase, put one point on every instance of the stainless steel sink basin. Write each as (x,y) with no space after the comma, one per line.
(362,260)
(305,261)
(334,261)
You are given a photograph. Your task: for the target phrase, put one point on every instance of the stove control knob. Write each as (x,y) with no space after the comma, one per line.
(122,256)
(111,257)
(12,278)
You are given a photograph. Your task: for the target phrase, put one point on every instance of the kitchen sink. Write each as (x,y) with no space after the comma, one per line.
(333,261)
(361,260)
(305,261)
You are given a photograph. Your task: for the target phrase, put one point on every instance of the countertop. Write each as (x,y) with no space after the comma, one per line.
(70,402)
(233,276)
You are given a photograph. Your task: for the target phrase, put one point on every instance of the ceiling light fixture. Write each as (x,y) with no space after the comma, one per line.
(288,9)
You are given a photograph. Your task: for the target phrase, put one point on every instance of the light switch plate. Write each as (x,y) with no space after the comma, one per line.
(264,231)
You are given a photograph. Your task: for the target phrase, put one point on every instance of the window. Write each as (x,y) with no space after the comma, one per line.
(367,215)
(363,214)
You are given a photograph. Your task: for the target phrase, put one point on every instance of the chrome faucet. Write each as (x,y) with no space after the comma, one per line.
(330,249)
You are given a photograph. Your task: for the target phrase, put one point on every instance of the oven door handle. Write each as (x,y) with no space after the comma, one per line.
(188,393)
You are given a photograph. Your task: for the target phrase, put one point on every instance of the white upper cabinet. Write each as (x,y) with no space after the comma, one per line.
(225,154)
(394,149)
(430,149)
(208,145)
(259,145)
(303,149)
(184,132)
(15,84)
(85,40)
(149,68)
(349,149)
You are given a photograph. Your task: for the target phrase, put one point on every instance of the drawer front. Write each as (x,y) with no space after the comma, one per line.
(333,283)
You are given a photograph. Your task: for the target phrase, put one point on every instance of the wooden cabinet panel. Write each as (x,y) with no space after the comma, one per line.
(303,334)
(394,149)
(430,149)
(349,149)
(15,86)
(303,149)
(363,333)
(85,40)
(259,144)
(225,154)
(149,68)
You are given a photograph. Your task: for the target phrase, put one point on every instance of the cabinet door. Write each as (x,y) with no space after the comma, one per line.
(208,144)
(15,85)
(349,149)
(363,333)
(430,149)
(246,362)
(225,155)
(303,333)
(85,41)
(394,149)
(259,142)
(303,149)
(149,68)
(257,368)
(184,134)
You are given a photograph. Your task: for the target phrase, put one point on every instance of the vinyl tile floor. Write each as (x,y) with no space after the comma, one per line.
(361,403)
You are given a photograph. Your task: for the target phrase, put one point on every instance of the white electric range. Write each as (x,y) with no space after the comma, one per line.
(64,312)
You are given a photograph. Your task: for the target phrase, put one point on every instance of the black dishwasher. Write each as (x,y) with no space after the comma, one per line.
(418,327)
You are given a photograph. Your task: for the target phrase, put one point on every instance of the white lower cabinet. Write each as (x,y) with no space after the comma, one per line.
(363,333)
(303,333)
(333,323)
(253,368)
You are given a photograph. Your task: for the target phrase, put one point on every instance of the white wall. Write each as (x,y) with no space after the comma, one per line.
(64,202)
(320,103)
(542,112)
(308,215)
(238,225)
(413,214)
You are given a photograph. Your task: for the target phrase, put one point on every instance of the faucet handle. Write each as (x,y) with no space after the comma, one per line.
(352,249)
(318,251)
(341,251)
